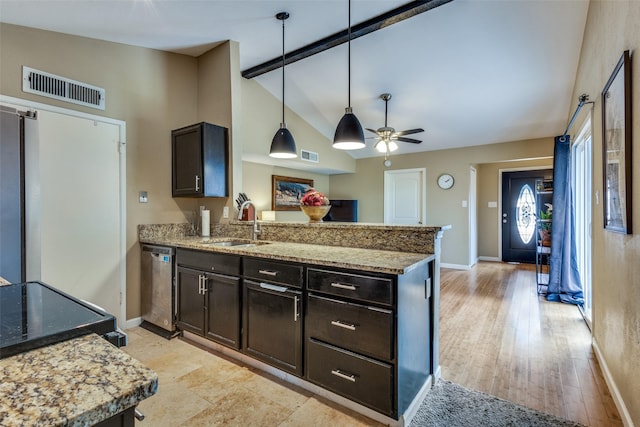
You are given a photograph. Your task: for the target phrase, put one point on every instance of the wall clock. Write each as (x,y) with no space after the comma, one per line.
(445,181)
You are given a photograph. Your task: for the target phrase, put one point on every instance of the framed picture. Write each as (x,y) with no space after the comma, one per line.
(616,148)
(287,192)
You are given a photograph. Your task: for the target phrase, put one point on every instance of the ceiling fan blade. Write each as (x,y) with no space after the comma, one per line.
(413,141)
(372,131)
(409,132)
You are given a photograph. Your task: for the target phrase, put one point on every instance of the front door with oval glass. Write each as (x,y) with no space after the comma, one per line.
(519,215)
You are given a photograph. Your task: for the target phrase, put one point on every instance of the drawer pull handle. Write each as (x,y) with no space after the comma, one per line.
(343,325)
(341,286)
(268,272)
(273,287)
(295,309)
(348,377)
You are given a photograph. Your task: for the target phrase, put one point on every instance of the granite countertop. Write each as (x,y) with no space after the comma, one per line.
(78,382)
(3,281)
(373,260)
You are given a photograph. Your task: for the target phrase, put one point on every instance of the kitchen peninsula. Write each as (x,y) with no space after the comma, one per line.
(348,311)
(80,381)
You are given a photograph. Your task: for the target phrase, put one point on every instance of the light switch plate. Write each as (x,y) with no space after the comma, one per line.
(143,197)
(492,204)
(225,212)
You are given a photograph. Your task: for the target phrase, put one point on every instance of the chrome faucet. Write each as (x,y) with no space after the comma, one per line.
(256,226)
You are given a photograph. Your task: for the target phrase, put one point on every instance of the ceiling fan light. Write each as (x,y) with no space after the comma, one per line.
(349,134)
(283,146)
(381,147)
(392,145)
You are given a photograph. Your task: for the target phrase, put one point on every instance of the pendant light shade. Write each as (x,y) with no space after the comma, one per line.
(349,134)
(283,146)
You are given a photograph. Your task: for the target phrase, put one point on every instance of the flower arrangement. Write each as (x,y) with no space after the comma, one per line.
(546,215)
(314,198)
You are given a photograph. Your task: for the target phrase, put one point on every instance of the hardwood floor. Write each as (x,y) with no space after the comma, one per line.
(497,335)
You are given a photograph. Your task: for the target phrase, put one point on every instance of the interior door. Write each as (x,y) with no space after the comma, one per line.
(74,220)
(518,215)
(405,197)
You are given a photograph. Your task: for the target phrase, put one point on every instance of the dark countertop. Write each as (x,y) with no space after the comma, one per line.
(372,260)
(78,382)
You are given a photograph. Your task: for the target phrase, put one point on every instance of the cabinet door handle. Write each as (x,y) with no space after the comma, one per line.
(343,325)
(273,287)
(199,284)
(197,183)
(344,376)
(268,272)
(296,314)
(341,286)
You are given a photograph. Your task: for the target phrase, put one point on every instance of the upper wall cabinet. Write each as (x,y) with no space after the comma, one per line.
(200,162)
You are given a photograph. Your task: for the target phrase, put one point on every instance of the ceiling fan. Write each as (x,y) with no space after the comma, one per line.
(387,136)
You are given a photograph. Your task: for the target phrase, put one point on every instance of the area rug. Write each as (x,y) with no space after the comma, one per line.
(451,405)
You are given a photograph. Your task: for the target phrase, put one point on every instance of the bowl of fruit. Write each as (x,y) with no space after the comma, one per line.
(315,205)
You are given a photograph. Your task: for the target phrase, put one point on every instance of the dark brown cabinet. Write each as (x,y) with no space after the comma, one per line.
(208,302)
(272,318)
(368,336)
(200,164)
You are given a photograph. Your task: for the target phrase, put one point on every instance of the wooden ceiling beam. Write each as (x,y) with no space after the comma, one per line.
(386,19)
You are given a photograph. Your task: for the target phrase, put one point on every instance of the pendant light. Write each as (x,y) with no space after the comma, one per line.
(349,134)
(283,146)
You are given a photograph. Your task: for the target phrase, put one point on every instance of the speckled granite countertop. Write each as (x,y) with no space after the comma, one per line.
(79,382)
(3,281)
(373,260)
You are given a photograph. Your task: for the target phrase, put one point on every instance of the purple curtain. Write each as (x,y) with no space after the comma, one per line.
(564,278)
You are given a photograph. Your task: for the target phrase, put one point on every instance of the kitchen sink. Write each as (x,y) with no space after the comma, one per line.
(235,243)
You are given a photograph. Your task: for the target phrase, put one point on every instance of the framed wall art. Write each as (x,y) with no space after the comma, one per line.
(287,192)
(616,148)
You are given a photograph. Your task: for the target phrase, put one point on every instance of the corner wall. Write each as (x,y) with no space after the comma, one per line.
(612,27)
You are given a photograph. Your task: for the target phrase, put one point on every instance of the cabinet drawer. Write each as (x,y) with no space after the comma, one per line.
(355,377)
(209,261)
(276,272)
(363,288)
(355,327)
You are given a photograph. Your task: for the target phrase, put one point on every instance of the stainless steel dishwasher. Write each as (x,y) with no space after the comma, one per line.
(158,301)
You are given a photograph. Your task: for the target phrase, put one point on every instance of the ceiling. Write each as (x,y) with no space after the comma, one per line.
(469,72)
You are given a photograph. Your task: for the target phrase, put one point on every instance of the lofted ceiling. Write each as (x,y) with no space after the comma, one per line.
(469,72)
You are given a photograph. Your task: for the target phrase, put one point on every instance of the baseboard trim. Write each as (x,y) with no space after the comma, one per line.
(455,266)
(613,388)
(489,258)
(132,323)
(292,379)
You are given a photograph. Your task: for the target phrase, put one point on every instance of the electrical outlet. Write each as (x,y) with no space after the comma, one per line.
(225,212)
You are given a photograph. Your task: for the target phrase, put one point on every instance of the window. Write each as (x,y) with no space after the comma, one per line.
(525,212)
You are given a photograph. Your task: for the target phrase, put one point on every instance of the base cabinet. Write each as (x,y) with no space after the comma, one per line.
(362,379)
(273,325)
(209,303)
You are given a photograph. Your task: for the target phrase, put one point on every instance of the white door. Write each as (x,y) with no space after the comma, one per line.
(473,218)
(74,223)
(405,196)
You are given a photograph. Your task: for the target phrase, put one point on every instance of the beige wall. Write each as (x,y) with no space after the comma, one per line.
(488,191)
(257,184)
(612,27)
(443,206)
(152,91)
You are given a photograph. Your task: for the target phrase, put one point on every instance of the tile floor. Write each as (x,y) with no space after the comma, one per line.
(200,388)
